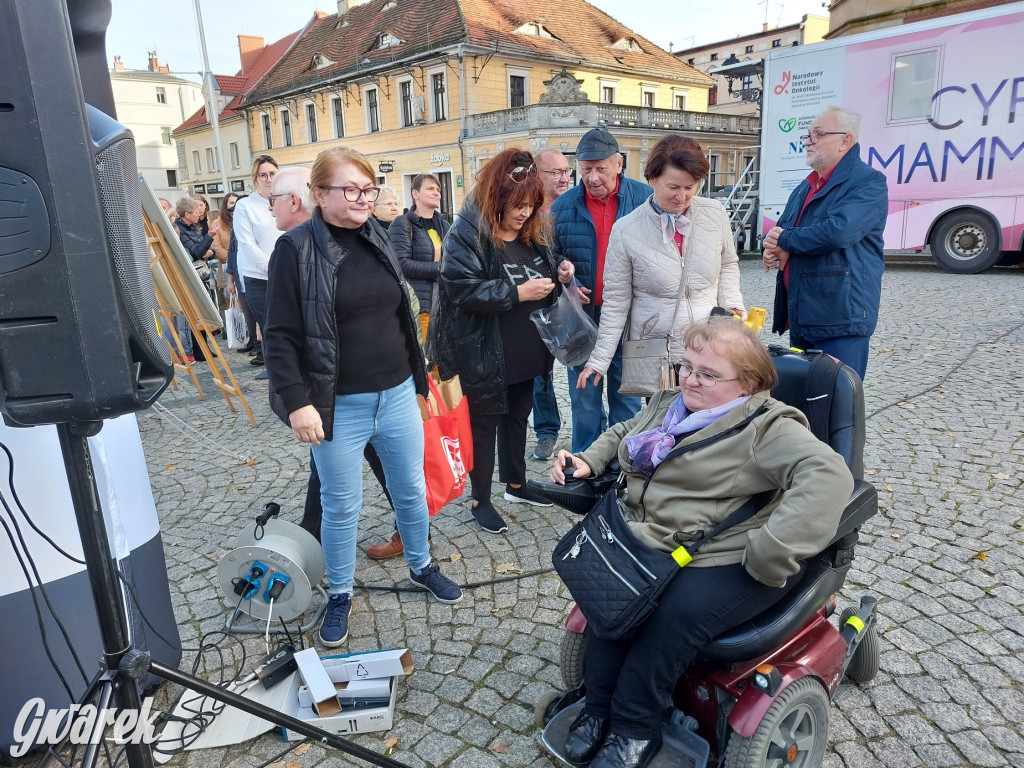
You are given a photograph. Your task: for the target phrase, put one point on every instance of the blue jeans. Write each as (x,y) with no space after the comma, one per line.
(391,422)
(256,295)
(852,350)
(546,419)
(589,419)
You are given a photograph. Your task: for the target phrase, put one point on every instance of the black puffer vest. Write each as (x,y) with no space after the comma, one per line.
(319,257)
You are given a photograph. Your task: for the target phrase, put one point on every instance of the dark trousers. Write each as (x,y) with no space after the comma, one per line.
(510,431)
(631,679)
(256,295)
(313,512)
(852,350)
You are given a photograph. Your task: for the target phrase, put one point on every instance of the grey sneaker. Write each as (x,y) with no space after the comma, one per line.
(545,448)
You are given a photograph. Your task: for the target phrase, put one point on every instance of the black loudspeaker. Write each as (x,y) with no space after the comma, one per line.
(79,338)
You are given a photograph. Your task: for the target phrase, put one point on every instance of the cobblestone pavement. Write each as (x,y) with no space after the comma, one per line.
(945,445)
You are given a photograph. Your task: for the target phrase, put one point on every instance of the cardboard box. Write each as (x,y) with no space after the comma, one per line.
(373,688)
(346,721)
(321,688)
(363,666)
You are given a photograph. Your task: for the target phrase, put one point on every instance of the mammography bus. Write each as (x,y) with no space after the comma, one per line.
(942,116)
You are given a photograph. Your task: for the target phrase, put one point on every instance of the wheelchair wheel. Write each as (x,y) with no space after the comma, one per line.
(544,709)
(574,650)
(864,665)
(793,732)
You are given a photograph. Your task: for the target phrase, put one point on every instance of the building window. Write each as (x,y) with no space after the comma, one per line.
(516,90)
(286,127)
(714,57)
(749,49)
(268,135)
(680,101)
(236,161)
(172,179)
(405,102)
(439,100)
(607,94)
(913,83)
(777,43)
(713,96)
(311,130)
(372,111)
(649,99)
(197,165)
(211,160)
(165,136)
(161,95)
(338,112)
(690,61)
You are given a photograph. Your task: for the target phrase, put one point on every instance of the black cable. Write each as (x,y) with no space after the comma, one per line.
(281,754)
(956,367)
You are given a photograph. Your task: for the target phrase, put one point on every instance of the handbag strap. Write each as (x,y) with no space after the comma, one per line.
(745,511)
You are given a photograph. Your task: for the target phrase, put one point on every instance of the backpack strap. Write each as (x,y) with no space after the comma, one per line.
(818,389)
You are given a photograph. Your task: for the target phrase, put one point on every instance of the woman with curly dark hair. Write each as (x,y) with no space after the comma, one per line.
(496,269)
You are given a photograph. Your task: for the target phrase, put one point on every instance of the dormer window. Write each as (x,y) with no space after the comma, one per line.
(319,61)
(387,40)
(389,6)
(535,29)
(628,44)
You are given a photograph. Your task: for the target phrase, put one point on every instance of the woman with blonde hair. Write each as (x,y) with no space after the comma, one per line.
(345,368)
(256,233)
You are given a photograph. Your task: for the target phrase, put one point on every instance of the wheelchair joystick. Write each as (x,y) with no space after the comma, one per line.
(569,470)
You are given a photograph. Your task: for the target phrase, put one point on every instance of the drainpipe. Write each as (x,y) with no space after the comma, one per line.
(462,130)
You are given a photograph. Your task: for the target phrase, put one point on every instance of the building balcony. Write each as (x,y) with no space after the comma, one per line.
(574,115)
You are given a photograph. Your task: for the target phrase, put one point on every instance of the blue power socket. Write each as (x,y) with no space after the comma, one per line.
(275,577)
(255,580)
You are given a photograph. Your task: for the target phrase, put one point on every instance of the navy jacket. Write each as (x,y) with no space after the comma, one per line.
(835,254)
(193,239)
(575,236)
(415,251)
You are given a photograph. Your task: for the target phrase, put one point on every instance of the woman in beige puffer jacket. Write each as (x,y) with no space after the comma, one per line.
(643,269)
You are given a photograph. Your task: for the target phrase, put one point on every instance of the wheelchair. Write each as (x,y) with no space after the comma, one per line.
(757,695)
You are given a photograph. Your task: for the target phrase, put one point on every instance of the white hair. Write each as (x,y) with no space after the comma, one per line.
(387,193)
(847,120)
(294,180)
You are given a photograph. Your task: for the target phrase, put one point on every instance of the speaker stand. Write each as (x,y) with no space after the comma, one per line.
(123,666)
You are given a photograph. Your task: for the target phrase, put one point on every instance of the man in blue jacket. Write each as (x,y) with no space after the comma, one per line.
(828,245)
(583,219)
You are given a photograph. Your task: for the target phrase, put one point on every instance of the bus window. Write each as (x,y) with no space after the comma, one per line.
(913,83)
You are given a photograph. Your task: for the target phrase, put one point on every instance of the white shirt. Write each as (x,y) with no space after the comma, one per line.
(256,232)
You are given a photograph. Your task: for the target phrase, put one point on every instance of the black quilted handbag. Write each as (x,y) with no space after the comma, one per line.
(614,579)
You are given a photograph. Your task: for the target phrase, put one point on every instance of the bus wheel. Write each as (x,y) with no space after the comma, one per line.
(965,243)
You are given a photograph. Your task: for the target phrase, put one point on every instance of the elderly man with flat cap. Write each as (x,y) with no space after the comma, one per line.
(583,218)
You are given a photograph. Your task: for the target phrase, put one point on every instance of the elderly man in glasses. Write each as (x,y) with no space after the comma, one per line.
(583,219)
(827,246)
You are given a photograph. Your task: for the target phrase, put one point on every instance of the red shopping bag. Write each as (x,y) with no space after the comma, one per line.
(448,444)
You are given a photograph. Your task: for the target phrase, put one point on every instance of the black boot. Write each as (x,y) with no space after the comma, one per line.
(620,752)
(585,737)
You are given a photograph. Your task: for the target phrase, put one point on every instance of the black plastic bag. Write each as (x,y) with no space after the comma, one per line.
(565,329)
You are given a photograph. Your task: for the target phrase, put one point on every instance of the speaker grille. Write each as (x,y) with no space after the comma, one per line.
(122,218)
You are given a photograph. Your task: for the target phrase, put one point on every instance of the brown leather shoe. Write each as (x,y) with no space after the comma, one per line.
(386,549)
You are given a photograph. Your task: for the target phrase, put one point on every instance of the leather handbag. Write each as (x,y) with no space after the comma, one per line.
(647,362)
(614,578)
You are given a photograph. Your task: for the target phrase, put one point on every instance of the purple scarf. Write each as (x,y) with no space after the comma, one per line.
(648,449)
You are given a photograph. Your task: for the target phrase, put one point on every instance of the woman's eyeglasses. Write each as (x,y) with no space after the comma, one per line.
(353,193)
(519,175)
(703,377)
(266,175)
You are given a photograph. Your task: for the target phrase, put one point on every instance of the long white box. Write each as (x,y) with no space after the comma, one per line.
(346,721)
(377,687)
(364,666)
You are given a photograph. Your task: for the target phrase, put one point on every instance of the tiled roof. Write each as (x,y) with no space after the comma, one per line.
(335,47)
(240,84)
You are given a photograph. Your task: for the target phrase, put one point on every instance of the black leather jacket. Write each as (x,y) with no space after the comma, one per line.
(464,329)
(308,330)
(415,251)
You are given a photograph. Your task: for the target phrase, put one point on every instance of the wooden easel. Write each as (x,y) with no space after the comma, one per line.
(202,330)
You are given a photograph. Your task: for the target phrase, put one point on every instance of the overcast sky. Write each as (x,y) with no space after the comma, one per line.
(169,28)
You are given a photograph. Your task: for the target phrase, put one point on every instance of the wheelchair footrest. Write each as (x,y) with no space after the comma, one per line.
(681,747)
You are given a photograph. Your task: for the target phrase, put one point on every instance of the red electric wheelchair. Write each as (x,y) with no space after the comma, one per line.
(758,695)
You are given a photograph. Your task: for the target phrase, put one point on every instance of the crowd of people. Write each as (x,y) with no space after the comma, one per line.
(343,291)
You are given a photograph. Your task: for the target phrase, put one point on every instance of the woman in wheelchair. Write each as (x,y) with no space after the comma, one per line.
(748,443)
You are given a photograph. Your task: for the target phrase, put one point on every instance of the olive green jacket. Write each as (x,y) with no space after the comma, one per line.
(761,445)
